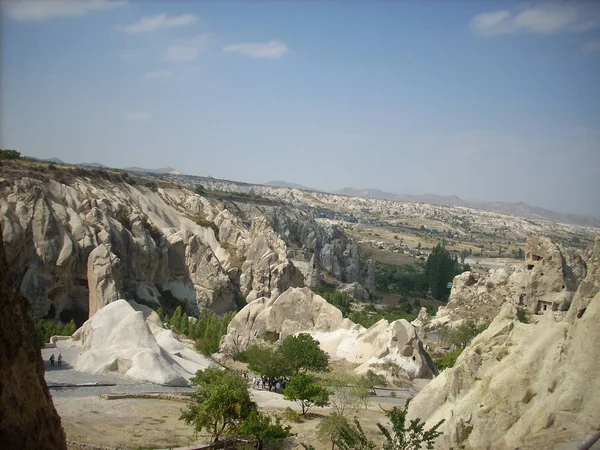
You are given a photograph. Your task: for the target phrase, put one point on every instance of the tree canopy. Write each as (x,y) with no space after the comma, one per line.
(263,431)
(304,390)
(303,353)
(294,355)
(440,269)
(221,403)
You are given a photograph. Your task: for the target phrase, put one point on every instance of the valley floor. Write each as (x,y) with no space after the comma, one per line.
(135,423)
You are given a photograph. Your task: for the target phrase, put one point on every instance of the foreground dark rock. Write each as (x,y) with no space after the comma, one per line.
(28,419)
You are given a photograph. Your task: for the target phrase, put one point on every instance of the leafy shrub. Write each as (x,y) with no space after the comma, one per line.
(152,229)
(123,217)
(10,154)
(523,315)
(448,359)
(291,415)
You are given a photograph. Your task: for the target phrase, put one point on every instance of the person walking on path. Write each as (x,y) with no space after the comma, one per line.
(59,359)
(52,360)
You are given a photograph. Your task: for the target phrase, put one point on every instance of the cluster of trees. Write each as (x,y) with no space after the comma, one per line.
(341,301)
(440,268)
(294,355)
(207,330)
(9,154)
(462,335)
(458,338)
(366,314)
(45,329)
(221,405)
(403,280)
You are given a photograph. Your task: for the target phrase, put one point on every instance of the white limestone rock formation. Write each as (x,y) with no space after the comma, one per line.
(129,339)
(521,385)
(83,238)
(299,310)
(546,280)
(422,319)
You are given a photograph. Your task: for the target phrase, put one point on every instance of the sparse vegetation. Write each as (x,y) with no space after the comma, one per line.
(203,222)
(402,435)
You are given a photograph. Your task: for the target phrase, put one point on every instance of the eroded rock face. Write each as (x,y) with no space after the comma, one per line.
(75,248)
(546,280)
(299,310)
(523,385)
(28,419)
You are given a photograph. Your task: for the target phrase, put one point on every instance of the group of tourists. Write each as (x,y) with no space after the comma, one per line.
(59,360)
(269,384)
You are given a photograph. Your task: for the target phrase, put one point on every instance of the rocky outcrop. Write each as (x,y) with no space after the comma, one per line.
(546,280)
(28,419)
(523,385)
(77,244)
(352,208)
(130,339)
(299,310)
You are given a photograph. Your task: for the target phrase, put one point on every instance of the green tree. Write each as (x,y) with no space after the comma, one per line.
(448,359)
(265,361)
(184,324)
(365,386)
(221,403)
(176,319)
(70,328)
(302,352)
(263,431)
(343,393)
(440,268)
(304,390)
(404,434)
(330,428)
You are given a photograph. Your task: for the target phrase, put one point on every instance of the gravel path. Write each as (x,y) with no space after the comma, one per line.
(65,374)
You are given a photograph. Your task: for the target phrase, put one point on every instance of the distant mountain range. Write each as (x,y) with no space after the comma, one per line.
(162,170)
(514,209)
(285,184)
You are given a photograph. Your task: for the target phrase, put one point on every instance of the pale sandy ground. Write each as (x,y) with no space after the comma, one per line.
(149,423)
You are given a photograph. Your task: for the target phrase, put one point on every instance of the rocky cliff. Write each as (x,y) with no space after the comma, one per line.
(546,280)
(463,220)
(523,385)
(28,419)
(78,239)
(299,310)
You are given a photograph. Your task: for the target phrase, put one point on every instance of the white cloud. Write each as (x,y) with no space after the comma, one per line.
(542,18)
(592,46)
(158,74)
(40,10)
(268,50)
(149,24)
(187,50)
(137,116)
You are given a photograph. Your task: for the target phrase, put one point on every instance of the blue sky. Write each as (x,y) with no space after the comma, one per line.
(485,100)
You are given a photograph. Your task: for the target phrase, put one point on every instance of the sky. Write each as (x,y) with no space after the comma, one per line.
(496,101)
